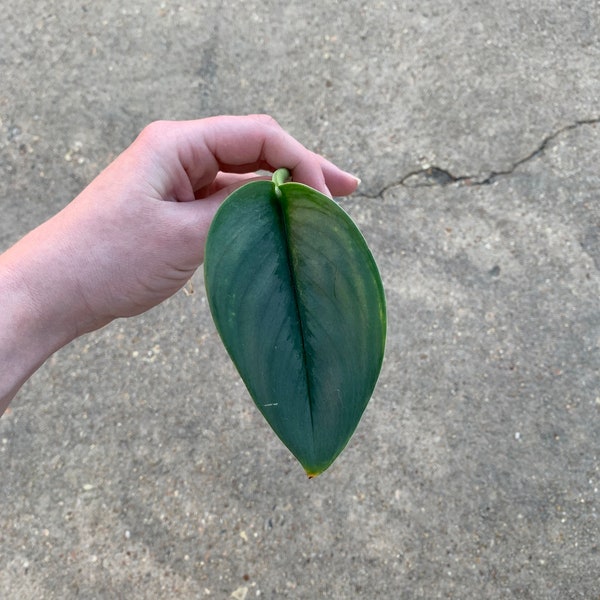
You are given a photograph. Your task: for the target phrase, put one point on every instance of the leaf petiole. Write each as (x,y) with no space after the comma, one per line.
(281,176)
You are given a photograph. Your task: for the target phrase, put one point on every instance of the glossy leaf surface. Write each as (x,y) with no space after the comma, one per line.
(297,299)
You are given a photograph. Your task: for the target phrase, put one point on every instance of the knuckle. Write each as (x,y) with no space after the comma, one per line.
(154,133)
(266,120)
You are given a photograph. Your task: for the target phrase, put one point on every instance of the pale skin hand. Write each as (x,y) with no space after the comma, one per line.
(136,234)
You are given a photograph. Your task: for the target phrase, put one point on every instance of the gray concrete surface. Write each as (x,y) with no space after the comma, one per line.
(134,465)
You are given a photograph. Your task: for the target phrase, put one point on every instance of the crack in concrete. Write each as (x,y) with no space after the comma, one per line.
(436,176)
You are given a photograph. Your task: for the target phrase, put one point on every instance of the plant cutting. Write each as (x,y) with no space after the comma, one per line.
(297,299)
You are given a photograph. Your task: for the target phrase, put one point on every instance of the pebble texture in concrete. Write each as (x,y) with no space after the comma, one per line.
(134,464)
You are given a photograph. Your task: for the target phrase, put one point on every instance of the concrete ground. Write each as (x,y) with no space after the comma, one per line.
(134,464)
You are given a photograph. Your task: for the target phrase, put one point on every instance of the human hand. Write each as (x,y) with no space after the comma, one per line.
(136,234)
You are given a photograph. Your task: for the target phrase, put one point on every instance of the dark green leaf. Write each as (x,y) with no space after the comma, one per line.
(297,299)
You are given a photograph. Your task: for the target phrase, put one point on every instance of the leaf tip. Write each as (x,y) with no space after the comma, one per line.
(312,473)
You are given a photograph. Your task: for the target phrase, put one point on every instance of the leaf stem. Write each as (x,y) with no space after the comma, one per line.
(280,177)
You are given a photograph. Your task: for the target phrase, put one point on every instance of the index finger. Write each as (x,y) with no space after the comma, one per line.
(248,143)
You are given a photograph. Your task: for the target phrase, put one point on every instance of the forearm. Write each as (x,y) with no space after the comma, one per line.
(36,318)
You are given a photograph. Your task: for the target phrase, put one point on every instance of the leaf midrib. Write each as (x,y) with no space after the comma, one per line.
(284,220)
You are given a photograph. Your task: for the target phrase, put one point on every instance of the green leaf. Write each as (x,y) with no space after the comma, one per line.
(298,301)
